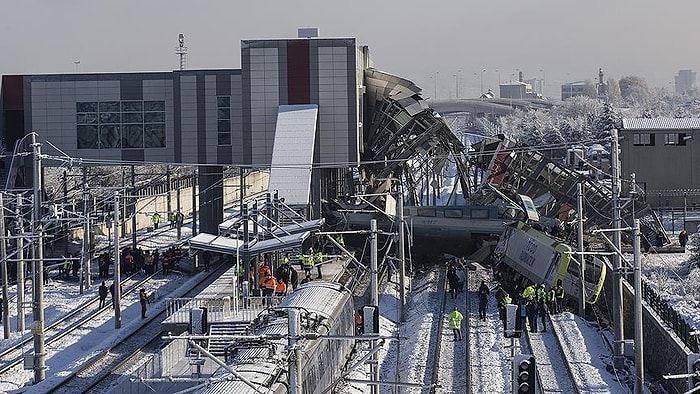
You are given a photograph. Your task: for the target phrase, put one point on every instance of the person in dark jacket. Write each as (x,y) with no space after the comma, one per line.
(143,299)
(103,294)
(483,300)
(683,238)
(453,280)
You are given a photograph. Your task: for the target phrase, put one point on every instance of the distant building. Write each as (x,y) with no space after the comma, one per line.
(685,81)
(645,143)
(601,86)
(573,89)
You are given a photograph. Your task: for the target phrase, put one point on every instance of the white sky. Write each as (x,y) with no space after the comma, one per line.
(566,39)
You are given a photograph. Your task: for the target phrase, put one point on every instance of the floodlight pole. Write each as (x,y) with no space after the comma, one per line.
(37,279)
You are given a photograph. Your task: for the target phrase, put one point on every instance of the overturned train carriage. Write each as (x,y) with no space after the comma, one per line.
(527,256)
(262,362)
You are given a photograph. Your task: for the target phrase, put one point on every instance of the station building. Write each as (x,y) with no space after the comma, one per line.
(296,105)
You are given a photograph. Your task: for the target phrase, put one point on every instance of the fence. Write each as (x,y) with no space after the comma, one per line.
(672,318)
(177,309)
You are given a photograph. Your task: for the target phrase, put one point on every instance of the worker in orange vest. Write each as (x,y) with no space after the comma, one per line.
(268,285)
(281,289)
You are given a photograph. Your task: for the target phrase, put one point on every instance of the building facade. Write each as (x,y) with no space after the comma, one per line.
(661,153)
(684,81)
(208,118)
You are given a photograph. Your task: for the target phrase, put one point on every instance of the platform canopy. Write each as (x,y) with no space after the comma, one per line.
(226,245)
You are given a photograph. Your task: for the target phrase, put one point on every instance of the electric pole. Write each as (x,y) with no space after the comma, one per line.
(38,280)
(3,254)
(618,348)
(117,261)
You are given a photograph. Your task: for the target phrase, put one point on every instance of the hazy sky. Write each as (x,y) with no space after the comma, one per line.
(560,40)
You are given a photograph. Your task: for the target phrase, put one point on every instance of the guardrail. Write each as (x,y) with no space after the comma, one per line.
(673,319)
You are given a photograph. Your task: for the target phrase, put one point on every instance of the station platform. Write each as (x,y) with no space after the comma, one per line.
(225,303)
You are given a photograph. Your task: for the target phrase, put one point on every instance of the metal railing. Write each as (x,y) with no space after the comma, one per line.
(668,315)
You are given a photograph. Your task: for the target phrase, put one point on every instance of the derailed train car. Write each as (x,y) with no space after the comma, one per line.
(261,362)
(525,255)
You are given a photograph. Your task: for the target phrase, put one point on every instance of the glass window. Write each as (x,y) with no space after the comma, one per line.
(154,117)
(427,212)
(154,106)
(643,139)
(154,135)
(224,139)
(86,107)
(132,117)
(479,213)
(86,118)
(132,136)
(109,106)
(223,113)
(132,106)
(453,212)
(110,137)
(109,117)
(223,101)
(87,137)
(224,126)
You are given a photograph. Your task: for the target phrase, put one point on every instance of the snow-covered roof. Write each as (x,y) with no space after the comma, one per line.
(661,124)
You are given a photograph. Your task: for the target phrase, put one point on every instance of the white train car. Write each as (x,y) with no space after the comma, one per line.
(325,308)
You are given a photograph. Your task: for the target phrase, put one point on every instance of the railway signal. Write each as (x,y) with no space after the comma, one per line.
(524,374)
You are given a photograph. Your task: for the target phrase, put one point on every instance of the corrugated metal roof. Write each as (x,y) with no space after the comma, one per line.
(661,124)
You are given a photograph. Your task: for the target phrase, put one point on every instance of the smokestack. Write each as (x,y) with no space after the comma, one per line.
(520,76)
(600,76)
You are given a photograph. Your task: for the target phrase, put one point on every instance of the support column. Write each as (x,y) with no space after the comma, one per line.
(618,319)
(37,280)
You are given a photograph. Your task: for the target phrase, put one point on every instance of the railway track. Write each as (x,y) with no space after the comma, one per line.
(107,367)
(445,378)
(554,373)
(67,324)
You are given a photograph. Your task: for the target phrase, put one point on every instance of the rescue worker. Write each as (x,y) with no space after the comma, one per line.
(307,261)
(454,320)
(281,288)
(171,219)
(542,306)
(552,300)
(529,296)
(268,285)
(155,219)
(318,261)
(483,300)
(559,294)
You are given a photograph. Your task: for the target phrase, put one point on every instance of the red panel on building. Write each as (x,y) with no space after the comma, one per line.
(298,73)
(13,92)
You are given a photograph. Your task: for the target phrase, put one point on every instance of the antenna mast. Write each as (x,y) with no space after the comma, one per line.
(182,51)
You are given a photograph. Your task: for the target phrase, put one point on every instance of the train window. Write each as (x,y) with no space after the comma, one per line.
(453,212)
(573,268)
(479,214)
(427,212)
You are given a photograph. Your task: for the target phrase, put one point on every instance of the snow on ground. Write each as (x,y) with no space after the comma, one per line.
(587,355)
(61,297)
(677,279)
